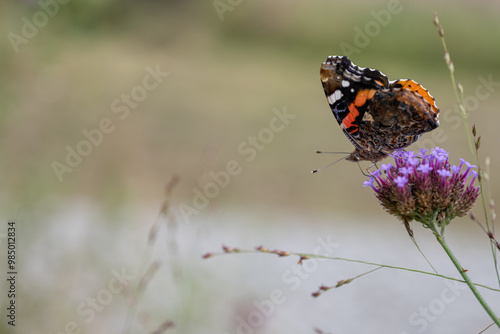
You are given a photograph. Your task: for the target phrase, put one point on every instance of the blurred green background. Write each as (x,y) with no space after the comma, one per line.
(229,64)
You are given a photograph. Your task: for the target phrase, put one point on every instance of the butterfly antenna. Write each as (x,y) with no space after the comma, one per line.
(323,152)
(317,170)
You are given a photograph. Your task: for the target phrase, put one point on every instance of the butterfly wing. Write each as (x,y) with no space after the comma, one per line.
(348,89)
(418,89)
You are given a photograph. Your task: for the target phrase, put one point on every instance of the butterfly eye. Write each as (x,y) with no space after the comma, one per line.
(417,116)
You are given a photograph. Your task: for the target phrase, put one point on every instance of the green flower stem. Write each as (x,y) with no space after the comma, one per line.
(466,278)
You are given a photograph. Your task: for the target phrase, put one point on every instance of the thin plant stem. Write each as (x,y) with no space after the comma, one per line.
(318,256)
(490,229)
(493,215)
(146,261)
(484,330)
(464,275)
(137,291)
(451,67)
(474,147)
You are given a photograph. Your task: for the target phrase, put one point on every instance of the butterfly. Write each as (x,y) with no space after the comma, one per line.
(378,116)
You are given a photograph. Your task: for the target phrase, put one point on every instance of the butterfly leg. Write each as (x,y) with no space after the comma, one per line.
(362,172)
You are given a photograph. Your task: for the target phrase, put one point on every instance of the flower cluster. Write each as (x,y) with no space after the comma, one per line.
(425,187)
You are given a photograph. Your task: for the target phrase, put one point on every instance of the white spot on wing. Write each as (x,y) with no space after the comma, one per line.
(338,95)
(331,99)
(345,83)
(335,96)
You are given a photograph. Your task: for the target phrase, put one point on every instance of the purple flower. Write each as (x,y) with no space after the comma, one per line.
(386,167)
(436,151)
(401,181)
(369,182)
(424,168)
(469,165)
(406,170)
(444,173)
(413,161)
(425,186)
(441,158)
(474,177)
(409,154)
(455,169)
(375,173)
(398,152)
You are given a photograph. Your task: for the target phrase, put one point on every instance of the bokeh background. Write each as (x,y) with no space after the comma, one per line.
(232,66)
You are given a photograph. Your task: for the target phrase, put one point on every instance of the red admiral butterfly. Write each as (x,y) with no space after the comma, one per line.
(378,116)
